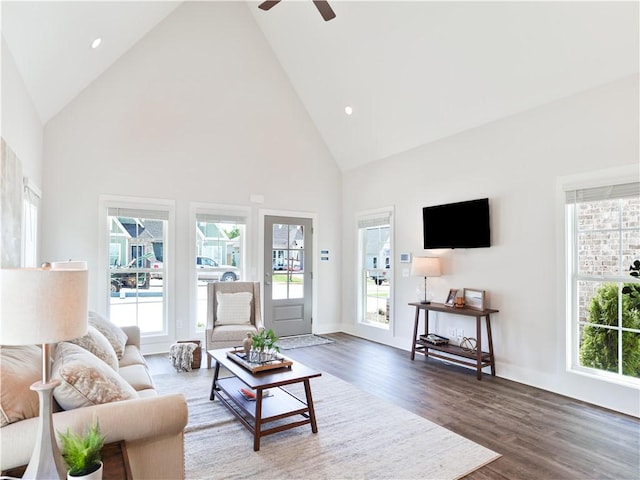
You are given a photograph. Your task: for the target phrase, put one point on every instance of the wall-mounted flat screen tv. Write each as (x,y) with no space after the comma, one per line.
(457,225)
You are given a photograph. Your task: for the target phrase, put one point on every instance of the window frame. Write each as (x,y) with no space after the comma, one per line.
(225,212)
(606,178)
(31,199)
(367,219)
(109,202)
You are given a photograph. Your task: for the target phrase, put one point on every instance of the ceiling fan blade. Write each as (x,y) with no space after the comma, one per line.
(268,4)
(325,9)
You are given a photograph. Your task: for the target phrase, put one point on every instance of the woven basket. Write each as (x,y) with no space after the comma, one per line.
(197,353)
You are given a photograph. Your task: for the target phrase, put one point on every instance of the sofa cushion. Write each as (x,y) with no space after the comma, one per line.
(19,368)
(85,379)
(137,376)
(117,338)
(132,356)
(96,343)
(234,308)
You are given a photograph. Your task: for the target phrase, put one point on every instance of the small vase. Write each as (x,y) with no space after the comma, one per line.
(97,475)
(246,343)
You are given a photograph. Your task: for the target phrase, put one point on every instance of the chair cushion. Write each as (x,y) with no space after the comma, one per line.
(96,343)
(19,368)
(117,338)
(234,308)
(232,333)
(85,379)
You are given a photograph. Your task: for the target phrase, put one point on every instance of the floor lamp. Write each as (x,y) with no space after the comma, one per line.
(44,306)
(425,267)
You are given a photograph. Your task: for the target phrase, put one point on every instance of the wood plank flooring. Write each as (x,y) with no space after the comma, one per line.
(540,435)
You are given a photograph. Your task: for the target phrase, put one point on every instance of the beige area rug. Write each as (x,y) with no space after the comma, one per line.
(360,436)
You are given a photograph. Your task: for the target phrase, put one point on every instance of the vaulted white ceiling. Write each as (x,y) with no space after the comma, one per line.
(413,72)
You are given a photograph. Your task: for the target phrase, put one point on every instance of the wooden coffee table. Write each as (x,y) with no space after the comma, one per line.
(256,414)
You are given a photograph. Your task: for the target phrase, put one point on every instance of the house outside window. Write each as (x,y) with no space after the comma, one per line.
(375,271)
(603,233)
(137,270)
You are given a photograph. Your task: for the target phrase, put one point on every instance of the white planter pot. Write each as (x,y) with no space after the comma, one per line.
(97,475)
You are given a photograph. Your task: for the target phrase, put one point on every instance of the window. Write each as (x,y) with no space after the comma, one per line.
(219,253)
(31,205)
(137,270)
(603,225)
(375,275)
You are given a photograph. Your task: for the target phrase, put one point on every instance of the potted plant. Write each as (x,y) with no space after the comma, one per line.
(82,453)
(264,345)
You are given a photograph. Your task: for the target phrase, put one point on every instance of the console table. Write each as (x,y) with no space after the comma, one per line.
(477,359)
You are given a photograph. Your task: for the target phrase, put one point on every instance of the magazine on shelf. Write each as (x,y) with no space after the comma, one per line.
(250,394)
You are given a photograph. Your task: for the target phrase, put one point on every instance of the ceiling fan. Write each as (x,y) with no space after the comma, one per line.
(322,5)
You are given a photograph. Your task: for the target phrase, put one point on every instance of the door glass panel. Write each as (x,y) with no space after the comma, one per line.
(287,262)
(280,236)
(296,236)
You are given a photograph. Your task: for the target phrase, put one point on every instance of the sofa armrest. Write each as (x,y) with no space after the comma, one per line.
(134,421)
(133,334)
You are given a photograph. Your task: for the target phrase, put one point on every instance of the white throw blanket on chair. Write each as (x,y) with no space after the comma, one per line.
(181,355)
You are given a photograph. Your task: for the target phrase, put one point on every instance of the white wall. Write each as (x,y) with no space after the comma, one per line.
(20,127)
(516,162)
(198,111)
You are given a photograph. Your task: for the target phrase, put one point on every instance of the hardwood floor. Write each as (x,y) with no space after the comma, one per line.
(540,435)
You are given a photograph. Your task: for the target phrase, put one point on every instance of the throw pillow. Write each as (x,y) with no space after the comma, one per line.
(234,308)
(19,368)
(117,338)
(97,343)
(85,379)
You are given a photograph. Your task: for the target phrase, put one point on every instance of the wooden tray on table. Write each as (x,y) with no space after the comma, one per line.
(279,361)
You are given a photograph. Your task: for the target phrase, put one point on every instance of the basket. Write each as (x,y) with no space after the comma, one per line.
(197,353)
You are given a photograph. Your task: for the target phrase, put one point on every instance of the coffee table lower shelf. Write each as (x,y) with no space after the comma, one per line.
(279,405)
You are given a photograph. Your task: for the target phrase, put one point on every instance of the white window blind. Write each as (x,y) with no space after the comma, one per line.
(608,192)
(377,220)
(138,213)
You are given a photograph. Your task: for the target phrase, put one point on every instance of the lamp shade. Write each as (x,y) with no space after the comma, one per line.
(426,267)
(39,306)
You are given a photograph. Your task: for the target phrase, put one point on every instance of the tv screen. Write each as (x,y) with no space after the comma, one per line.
(457,225)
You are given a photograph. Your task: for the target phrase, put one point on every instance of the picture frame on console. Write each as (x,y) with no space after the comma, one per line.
(473,298)
(451,298)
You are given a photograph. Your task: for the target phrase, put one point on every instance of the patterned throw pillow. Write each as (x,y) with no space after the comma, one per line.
(117,338)
(85,379)
(19,368)
(234,308)
(96,343)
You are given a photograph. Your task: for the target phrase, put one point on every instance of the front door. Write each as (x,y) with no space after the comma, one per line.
(287,278)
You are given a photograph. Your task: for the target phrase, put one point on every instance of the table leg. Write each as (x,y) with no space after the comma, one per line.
(490,340)
(415,334)
(312,412)
(214,381)
(257,430)
(478,348)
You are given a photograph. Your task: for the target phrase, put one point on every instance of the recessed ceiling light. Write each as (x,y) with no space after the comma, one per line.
(348,110)
(96,43)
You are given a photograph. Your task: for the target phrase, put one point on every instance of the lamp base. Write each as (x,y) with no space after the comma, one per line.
(46,461)
(425,302)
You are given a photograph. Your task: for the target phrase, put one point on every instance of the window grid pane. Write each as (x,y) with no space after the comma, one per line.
(137,294)
(607,243)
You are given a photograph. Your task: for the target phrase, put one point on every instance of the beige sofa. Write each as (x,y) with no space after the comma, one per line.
(151,425)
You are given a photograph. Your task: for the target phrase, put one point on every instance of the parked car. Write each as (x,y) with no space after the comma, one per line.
(211,271)
(208,270)
(379,276)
